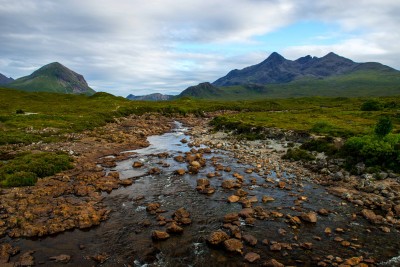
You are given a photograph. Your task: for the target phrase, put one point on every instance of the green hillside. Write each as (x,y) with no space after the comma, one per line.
(54,78)
(360,83)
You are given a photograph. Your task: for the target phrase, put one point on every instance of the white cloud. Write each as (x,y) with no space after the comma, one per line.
(133,46)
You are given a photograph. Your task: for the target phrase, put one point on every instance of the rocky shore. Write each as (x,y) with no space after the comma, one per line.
(73,199)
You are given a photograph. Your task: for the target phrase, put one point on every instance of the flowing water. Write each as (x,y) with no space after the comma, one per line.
(126,236)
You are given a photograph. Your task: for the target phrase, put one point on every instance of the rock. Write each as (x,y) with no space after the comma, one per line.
(233,245)
(100,258)
(397,209)
(233,199)
(179,158)
(338,176)
(182,216)
(137,164)
(154,171)
(228,184)
(195,164)
(246,213)
(353,261)
(6,250)
(63,258)
(266,199)
(323,212)
(231,217)
(159,235)
(371,216)
(309,217)
(180,172)
(241,193)
(26,259)
(217,237)
(173,228)
(272,263)
(203,182)
(152,207)
(306,245)
(275,247)
(249,239)
(252,257)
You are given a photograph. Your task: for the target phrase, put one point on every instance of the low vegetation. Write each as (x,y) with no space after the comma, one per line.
(24,169)
(370,125)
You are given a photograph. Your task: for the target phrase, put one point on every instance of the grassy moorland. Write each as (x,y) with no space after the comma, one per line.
(48,117)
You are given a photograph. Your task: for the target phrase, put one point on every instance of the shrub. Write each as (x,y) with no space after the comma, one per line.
(26,168)
(374,151)
(297,154)
(383,127)
(321,145)
(371,105)
(322,127)
(19,111)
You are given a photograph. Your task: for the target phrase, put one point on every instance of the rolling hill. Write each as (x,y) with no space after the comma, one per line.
(55,78)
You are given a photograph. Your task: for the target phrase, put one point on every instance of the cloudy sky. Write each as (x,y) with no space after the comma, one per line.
(147,46)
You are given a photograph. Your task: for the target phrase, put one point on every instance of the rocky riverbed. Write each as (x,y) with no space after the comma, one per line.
(194,198)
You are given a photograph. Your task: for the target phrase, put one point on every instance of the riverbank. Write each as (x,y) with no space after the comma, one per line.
(239,187)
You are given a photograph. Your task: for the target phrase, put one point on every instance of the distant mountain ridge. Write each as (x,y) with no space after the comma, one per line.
(53,77)
(276,77)
(5,80)
(276,70)
(150,97)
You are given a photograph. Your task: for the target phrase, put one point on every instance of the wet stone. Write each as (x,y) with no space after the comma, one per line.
(217,237)
(173,228)
(233,245)
(137,164)
(159,235)
(250,240)
(252,257)
(63,258)
(272,263)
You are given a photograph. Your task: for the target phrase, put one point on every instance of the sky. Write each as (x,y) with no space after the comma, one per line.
(146,46)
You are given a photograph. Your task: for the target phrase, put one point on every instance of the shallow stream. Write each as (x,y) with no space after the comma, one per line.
(126,236)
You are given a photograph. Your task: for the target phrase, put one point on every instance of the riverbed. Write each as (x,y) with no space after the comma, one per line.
(125,238)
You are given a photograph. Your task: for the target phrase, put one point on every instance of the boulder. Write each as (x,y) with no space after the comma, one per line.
(173,228)
(233,245)
(249,239)
(217,237)
(159,235)
(371,216)
(252,257)
(272,263)
(233,199)
(231,217)
(309,217)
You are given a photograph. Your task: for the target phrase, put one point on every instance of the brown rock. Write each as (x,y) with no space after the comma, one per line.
(179,158)
(180,172)
(306,245)
(241,193)
(182,216)
(137,164)
(309,217)
(397,209)
(173,228)
(6,250)
(26,259)
(233,245)
(272,263)
(228,184)
(100,258)
(203,182)
(231,217)
(266,199)
(252,257)
(246,213)
(233,199)
(217,237)
(275,247)
(371,216)
(159,235)
(249,239)
(323,212)
(63,258)
(153,207)
(353,261)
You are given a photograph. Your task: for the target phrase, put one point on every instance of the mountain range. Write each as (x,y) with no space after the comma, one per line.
(53,77)
(277,77)
(150,97)
(5,80)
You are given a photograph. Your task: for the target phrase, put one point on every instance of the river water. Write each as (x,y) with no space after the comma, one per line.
(126,236)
